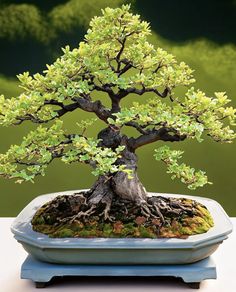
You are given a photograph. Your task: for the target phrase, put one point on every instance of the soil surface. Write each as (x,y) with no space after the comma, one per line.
(175,217)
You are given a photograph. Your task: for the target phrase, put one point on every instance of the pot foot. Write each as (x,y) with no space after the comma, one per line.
(41,284)
(194,285)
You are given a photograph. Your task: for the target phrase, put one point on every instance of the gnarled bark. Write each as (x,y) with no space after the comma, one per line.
(119,183)
(129,188)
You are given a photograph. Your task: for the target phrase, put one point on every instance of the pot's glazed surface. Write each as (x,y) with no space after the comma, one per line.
(121,250)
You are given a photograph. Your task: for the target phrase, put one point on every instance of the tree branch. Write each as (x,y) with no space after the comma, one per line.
(93,106)
(115,100)
(104,88)
(163,134)
(137,127)
(82,103)
(127,66)
(144,90)
(124,92)
(54,150)
(117,58)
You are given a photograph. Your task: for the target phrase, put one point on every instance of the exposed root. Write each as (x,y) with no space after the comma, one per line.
(81,214)
(159,214)
(146,211)
(105,213)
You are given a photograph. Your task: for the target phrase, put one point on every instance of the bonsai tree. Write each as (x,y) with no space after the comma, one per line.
(117,60)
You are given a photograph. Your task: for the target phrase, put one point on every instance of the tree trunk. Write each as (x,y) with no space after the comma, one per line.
(129,188)
(119,184)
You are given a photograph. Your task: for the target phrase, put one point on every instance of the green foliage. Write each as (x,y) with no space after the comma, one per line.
(156,114)
(24,107)
(35,152)
(127,30)
(41,146)
(191,117)
(87,150)
(210,112)
(185,173)
(116,42)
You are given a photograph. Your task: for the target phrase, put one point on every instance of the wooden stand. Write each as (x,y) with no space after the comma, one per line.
(192,274)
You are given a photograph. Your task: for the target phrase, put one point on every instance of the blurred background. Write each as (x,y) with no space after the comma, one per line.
(200,33)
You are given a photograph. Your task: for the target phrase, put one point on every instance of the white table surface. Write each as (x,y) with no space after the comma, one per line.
(12,256)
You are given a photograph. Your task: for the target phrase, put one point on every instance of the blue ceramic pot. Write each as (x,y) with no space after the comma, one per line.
(120,250)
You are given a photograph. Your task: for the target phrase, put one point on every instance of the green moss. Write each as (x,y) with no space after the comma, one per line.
(186,230)
(128,229)
(65,232)
(146,232)
(38,220)
(85,233)
(205,214)
(107,230)
(76,227)
(44,228)
(197,224)
(50,220)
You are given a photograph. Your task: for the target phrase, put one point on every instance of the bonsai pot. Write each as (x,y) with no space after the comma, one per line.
(120,250)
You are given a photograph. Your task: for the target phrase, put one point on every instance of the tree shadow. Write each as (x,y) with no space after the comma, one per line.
(184,20)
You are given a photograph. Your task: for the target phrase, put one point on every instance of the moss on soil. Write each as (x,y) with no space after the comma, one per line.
(180,227)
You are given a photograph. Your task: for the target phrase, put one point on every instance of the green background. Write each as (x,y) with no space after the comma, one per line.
(201,33)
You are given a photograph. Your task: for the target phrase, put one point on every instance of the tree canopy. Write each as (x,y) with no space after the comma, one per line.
(115,58)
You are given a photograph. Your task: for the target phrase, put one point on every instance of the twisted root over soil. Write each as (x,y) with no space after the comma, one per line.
(82,215)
